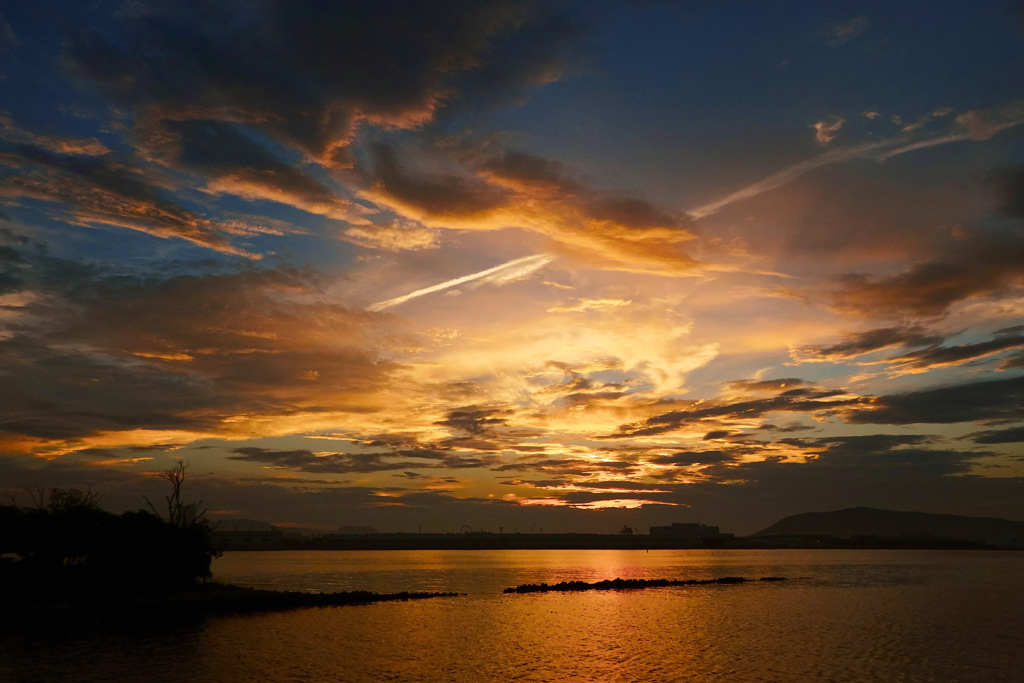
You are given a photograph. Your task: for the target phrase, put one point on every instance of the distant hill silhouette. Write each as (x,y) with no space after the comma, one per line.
(864,521)
(236,524)
(348,529)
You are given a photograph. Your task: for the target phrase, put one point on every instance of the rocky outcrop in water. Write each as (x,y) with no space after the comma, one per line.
(630,584)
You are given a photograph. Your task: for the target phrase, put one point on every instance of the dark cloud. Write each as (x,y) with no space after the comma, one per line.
(307,461)
(981,267)
(183,351)
(794,400)
(1009,184)
(983,401)
(614,484)
(528,170)
(791,427)
(690,458)
(1011,435)
(342,463)
(311,74)
(765,385)
(437,194)
(883,471)
(860,343)
(565,467)
(236,164)
(475,420)
(872,456)
(459,181)
(1013,362)
(950,355)
(56,391)
(538,177)
(632,213)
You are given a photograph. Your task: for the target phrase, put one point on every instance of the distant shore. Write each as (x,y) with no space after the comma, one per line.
(491,541)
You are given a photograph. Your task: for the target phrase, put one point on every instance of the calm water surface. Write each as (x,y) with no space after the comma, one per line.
(844,616)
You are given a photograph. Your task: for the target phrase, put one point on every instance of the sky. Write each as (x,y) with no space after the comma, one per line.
(515,265)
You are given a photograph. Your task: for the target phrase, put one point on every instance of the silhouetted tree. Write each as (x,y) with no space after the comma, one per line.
(67,547)
(179,514)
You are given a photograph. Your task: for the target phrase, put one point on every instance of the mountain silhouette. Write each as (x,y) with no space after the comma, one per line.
(865,521)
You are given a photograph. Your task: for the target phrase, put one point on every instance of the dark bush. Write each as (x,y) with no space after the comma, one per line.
(70,548)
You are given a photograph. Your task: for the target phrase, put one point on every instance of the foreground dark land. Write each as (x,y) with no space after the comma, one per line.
(42,612)
(66,563)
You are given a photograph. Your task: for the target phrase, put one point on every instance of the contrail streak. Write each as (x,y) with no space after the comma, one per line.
(501,274)
(788,175)
(973,128)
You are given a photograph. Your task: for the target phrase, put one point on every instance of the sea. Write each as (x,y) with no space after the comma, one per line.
(841,615)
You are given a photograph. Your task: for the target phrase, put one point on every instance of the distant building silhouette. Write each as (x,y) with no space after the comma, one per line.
(694,532)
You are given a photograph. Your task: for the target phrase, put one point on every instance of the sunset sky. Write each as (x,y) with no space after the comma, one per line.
(557,265)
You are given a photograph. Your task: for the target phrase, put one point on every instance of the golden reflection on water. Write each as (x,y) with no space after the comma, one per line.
(895,619)
(861,616)
(667,636)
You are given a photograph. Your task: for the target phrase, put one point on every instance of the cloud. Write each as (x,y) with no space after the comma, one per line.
(96,354)
(264,100)
(303,75)
(393,237)
(840,34)
(234,164)
(895,453)
(826,131)
(984,401)
(1009,183)
(985,266)
(793,400)
(771,385)
(869,341)
(89,191)
(8,39)
(955,355)
(977,125)
(469,187)
(694,458)
(585,305)
(993,436)
(475,420)
(56,144)
(324,463)
(436,194)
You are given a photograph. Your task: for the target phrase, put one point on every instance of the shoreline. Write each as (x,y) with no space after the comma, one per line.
(211,599)
(412,541)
